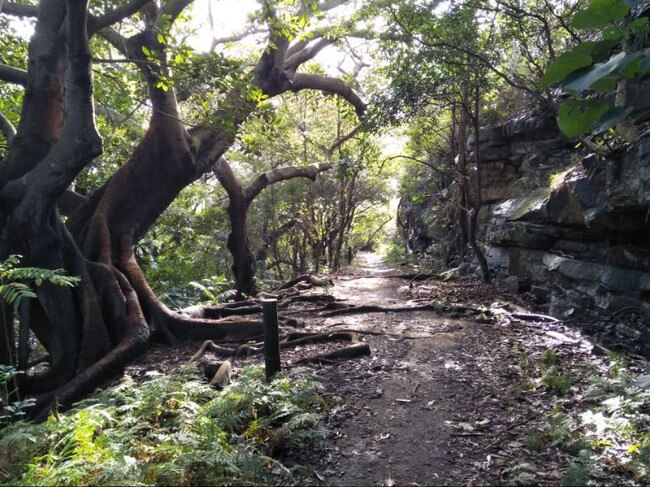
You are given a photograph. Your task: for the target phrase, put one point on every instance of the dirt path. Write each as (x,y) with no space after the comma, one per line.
(439,409)
(394,424)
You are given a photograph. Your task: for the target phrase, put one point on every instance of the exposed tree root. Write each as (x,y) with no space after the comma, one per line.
(221,314)
(307,298)
(135,339)
(453,309)
(210,368)
(227,329)
(221,377)
(533,317)
(353,351)
(293,340)
(308,278)
(380,333)
(413,276)
(213,369)
(218,312)
(373,308)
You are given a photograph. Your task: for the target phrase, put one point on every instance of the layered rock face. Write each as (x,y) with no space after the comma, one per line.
(573,230)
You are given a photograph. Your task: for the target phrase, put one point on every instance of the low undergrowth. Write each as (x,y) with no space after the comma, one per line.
(600,420)
(170,430)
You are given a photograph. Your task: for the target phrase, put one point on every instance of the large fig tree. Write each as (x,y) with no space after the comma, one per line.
(94,329)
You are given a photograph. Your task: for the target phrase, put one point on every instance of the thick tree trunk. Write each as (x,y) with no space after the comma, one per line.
(243,265)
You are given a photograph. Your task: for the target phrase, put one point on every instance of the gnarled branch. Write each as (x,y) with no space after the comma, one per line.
(13,75)
(282,174)
(305,81)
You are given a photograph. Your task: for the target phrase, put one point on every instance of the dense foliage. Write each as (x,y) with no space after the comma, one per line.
(170,430)
(593,69)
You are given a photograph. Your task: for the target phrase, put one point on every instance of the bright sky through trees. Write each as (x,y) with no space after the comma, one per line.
(229,17)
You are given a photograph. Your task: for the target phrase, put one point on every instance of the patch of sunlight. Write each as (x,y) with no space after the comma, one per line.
(598,420)
(372,259)
(451,365)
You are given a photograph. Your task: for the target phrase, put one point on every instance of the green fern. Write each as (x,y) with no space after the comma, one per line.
(13,290)
(172,429)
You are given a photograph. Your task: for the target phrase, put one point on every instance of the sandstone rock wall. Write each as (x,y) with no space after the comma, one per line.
(569,227)
(581,244)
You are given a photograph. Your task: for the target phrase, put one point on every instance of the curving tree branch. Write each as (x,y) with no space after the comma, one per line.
(13,75)
(7,128)
(95,23)
(114,16)
(19,9)
(283,173)
(304,81)
(303,55)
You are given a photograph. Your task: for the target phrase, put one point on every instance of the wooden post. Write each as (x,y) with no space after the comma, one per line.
(271,338)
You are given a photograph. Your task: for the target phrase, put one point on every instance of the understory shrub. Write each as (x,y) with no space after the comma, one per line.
(172,429)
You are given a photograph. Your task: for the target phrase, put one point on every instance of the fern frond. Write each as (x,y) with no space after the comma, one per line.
(14,292)
(39,275)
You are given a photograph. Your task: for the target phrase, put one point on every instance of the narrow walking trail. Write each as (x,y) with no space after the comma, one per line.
(439,400)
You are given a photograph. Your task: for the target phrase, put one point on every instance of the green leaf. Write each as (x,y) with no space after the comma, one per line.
(577,117)
(566,64)
(600,13)
(638,24)
(611,118)
(146,51)
(585,78)
(605,85)
(613,33)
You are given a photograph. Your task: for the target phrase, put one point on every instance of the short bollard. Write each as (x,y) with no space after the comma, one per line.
(271,338)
